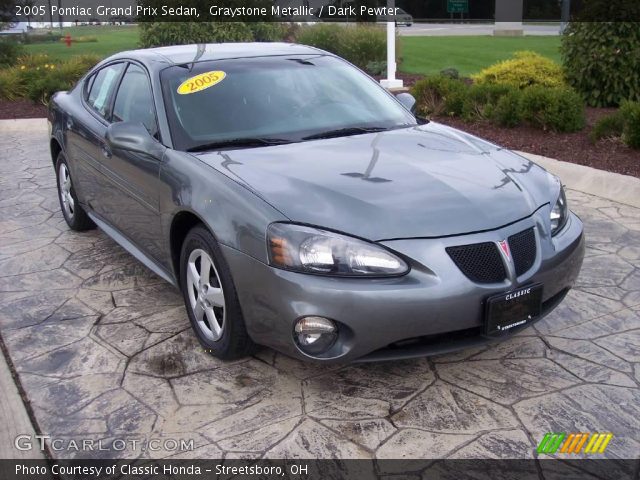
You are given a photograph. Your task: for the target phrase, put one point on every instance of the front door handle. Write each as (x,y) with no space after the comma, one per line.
(105,151)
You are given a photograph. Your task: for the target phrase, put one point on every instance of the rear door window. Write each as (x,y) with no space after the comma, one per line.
(102,86)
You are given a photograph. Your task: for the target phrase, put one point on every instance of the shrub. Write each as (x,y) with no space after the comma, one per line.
(450,72)
(377,67)
(610,126)
(623,124)
(158,34)
(442,95)
(523,70)
(37,77)
(602,60)
(630,112)
(361,44)
(10,86)
(439,95)
(456,101)
(78,65)
(33,60)
(46,37)
(565,112)
(270,31)
(557,109)
(508,109)
(9,52)
(322,35)
(482,99)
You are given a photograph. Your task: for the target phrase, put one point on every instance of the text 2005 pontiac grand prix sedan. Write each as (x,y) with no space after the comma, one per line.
(299,205)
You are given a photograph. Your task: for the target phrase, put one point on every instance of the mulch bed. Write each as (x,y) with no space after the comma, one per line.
(611,155)
(21,109)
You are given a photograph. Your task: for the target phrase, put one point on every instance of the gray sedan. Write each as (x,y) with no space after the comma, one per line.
(298,205)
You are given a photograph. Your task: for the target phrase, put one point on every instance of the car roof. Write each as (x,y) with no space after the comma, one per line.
(181,54)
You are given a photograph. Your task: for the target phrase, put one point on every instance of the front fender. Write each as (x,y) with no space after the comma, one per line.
(236,216)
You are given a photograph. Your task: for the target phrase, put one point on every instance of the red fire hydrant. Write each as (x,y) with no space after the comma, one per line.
(67,40)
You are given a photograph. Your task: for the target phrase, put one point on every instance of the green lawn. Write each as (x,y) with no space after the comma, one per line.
(111,39)
(430,55)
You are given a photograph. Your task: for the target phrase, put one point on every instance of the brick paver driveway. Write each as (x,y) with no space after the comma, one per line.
(104,351)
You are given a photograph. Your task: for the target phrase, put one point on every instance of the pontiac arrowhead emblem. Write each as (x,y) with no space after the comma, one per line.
(504,246)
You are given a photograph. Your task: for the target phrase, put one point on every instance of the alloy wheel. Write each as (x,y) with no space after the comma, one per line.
(64,182)
(206,296)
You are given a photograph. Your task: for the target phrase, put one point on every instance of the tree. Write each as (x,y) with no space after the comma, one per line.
(7,13)
(28,4)
(601,51)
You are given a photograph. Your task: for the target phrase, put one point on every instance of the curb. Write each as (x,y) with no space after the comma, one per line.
(14,417)
(23,125)
(612,186)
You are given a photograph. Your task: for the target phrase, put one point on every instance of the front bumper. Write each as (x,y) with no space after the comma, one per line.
(433,309)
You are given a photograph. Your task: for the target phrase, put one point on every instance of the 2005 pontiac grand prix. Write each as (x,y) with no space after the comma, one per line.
(299,205)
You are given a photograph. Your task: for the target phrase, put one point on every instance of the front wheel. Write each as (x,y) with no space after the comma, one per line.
(75,216)
(210,297)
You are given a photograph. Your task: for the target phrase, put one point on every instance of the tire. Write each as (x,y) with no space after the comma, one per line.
(212,303)
(75,216)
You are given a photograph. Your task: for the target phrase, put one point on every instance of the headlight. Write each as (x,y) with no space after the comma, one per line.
(559,214)
(311,250)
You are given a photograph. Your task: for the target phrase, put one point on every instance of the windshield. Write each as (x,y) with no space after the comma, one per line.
(274,100)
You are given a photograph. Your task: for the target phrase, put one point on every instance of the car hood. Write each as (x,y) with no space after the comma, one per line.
(424,181)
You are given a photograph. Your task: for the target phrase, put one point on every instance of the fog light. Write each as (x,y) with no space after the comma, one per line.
(315,335)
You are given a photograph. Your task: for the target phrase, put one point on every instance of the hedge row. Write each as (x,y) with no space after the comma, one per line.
(362,45)
(158,34)
(558,109)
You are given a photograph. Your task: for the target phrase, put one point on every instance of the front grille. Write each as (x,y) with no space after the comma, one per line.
(523,250)
(480,262)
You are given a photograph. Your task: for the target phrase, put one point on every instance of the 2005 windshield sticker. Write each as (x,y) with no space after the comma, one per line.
(201,82)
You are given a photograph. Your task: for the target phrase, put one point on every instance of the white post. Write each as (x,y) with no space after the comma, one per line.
(391,81)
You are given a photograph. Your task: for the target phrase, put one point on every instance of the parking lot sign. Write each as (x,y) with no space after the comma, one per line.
(457,6)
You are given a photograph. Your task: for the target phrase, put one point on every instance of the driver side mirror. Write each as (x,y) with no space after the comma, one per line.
(407,100)
(133,137)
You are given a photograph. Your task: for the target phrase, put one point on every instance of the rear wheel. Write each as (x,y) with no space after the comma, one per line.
(210,297)
(75,216)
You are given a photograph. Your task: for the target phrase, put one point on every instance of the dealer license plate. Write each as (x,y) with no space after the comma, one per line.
(514,309)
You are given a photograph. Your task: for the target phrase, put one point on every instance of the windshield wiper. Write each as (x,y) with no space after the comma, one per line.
(239,142)
(343,132)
